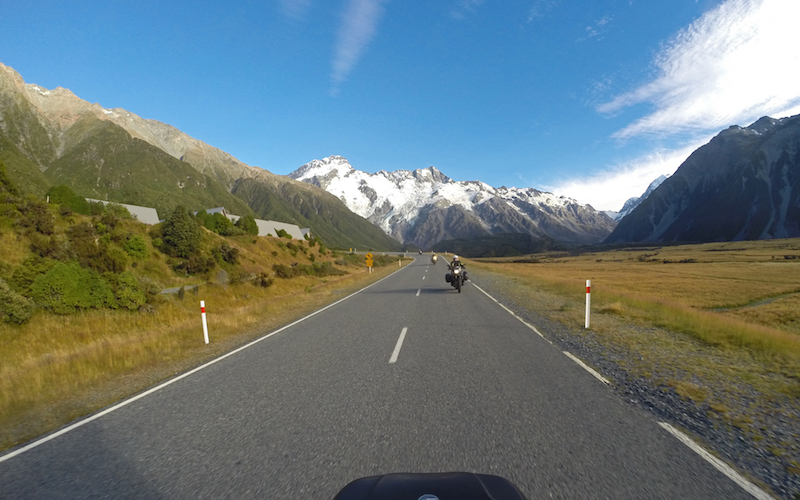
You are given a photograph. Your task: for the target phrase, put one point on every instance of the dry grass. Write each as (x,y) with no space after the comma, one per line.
(739,295)
(717,322)
(55,369)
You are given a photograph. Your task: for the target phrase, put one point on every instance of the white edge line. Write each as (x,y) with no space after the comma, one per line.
(512,313)
(718,464)
(117,406)
(588,369)
(398,346)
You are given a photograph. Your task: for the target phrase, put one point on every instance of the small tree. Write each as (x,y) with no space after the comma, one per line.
(181,234)
(247,224)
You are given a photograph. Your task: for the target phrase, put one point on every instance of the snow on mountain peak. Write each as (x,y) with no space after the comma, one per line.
(395,201)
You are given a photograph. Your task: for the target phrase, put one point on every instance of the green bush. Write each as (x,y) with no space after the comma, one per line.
(23,276)
(69,288)
(64,196)
(247,224)
(36,216)
(14,308)
(286,272)
(135,246)
(196,264)
(181,234)
(50,247)
(226,253)
(126,289)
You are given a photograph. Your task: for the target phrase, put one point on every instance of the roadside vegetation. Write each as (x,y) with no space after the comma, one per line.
(84,322)
(717,323)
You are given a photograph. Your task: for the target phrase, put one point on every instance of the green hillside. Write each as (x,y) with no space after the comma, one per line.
(105,162)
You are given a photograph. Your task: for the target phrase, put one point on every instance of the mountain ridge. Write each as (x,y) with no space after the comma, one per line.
(54,137)
(425,206)
(743,185)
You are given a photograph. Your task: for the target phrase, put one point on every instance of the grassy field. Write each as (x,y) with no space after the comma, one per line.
(57,368)
(719,323)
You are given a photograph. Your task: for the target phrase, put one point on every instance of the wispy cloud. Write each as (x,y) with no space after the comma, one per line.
(610,189)
(295,9)
(357,29)
(598,29)
(736,63)
(464,8)
(540,8)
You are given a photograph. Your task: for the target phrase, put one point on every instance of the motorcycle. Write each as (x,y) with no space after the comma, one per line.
(434,258)
(431,486)
(456,278)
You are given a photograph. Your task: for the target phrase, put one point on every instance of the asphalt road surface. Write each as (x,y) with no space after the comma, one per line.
(337,396)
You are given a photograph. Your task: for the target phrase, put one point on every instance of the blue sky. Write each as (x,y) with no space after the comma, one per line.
(590,99)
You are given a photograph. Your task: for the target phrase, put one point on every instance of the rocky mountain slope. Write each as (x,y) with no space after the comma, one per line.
(50,137)
(424,206)
(743,185)
(634,202)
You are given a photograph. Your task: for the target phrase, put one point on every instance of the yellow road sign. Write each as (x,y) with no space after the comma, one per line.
(369,262)
(369,256)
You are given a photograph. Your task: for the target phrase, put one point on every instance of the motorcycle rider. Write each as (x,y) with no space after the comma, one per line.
(454,264)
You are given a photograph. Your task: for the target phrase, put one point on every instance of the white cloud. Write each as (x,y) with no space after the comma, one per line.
(610,189)
(736,63)
(465,7)
(356,31)
(295,9)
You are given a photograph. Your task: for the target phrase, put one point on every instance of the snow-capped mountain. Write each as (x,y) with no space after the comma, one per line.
(424,206)
(635,202)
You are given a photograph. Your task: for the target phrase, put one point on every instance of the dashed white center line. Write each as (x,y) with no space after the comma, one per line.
(398,346)
(419,291)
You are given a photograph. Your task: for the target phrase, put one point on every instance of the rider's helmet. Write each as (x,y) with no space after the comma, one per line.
(455,258)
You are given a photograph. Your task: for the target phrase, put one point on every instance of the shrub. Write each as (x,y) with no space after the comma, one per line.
(247,224)
(135,246)
(50,247)
(126,289)
(69,288)
(196,264)
(286,272)
(226,253)
(116,211)
(64,196)
(14,308)
(23,276)
(181,234)
(263,280)
(36,216)
(281,233)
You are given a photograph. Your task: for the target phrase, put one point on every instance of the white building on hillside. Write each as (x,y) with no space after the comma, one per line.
(267,227)
(142,214)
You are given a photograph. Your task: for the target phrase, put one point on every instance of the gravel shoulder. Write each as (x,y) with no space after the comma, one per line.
(676,379)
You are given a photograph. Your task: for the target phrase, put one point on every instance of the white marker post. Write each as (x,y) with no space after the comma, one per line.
(205,324)
(588,301)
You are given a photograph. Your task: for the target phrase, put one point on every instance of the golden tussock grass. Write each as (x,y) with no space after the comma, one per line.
(719,323)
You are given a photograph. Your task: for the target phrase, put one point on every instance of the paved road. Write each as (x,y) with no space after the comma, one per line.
(303,412)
